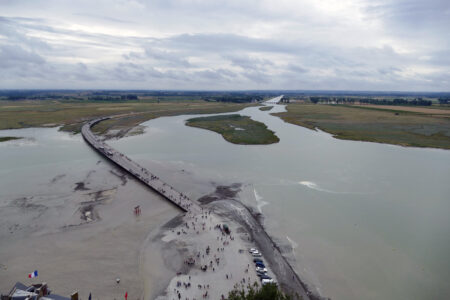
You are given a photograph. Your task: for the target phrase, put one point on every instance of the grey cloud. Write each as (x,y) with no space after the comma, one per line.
(389,70)
(297,69)
(171,58)
(17,57)
(104,18)
(249,63)
(224,44)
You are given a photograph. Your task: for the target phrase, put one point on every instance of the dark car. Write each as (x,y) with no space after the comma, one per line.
(260,264)
(257,260)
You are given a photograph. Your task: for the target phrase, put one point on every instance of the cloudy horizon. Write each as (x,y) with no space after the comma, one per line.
(359,45)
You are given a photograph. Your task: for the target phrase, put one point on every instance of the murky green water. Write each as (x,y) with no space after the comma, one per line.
(366,220)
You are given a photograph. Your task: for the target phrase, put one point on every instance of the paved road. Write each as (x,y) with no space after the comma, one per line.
(146,177)
(274,100)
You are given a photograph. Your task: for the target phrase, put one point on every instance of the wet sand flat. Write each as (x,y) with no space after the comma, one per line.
(72,253)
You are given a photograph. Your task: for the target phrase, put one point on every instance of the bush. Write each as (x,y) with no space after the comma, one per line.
(266,292)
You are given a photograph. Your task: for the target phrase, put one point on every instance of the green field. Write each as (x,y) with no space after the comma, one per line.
(236,129)
(9,138)
(265,108)
(71,115)
(374,125)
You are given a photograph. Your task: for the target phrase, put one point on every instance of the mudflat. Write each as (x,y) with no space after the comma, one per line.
(82,239)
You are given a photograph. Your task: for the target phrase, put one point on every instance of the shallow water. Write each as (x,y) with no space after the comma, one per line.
(28,165)
(365,220)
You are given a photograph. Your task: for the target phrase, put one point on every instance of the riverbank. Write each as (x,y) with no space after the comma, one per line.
(9,138)
(228,262)
(364,123)
(71,115)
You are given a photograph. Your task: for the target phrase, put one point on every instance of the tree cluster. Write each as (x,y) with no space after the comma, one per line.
(113,98)
(396,101)
(443,100)
(266,292)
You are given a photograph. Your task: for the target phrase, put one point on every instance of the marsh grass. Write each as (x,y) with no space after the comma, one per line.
(9,138)
(236,129)
(371,124)
(72,115)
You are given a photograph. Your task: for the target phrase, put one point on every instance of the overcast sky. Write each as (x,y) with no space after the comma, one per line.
(226,44)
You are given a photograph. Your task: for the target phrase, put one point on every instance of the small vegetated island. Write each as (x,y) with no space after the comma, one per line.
(236,129)
(265,108)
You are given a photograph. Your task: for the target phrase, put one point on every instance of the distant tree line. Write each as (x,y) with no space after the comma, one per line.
(396,101)
(233,98)
(113,98)
(443,100)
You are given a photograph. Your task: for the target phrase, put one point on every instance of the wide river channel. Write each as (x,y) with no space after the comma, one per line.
(358,220)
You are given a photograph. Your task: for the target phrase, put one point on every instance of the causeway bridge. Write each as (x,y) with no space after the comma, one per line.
(177,198)
(283,269)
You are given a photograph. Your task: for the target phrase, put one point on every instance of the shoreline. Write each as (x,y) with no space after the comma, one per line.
(233,209)
(99,210)
(236,268)
(289,281)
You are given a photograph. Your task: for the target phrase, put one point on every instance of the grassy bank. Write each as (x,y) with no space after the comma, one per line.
(236,129)
(9,138)
(22,114)
(373,124)
(265,108)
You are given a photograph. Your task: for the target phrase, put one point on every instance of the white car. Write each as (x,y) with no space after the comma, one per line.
(256,254)
(266,281)
(253,250)
(261,269)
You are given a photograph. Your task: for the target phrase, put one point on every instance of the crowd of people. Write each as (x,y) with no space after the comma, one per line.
(208,259)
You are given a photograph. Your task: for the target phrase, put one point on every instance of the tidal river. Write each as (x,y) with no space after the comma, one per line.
(358,220)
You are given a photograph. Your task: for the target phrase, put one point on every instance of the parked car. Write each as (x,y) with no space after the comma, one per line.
(262,277)
(261,269)
(259,264)
(251,250)
(255,260)
(256,255)
(266,281)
